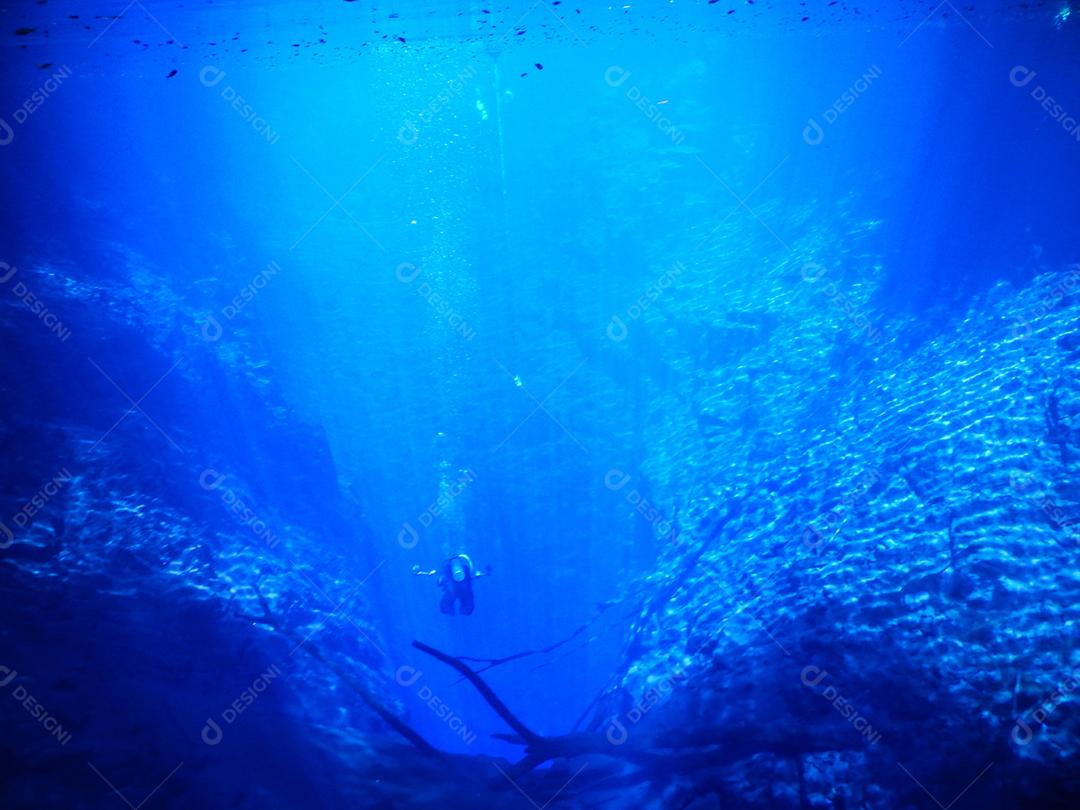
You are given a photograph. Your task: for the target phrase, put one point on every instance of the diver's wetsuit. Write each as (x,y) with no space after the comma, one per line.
(456,582)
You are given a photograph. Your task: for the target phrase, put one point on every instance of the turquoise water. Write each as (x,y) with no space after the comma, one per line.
(737,339)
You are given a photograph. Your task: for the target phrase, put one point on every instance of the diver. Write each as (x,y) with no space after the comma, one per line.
(456,582)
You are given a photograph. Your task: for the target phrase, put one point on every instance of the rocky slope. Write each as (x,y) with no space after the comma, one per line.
(884,568)
(147,475)
(868,595)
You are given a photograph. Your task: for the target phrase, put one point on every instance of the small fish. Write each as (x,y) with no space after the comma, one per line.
(22,32)
(171,73)
(538,66)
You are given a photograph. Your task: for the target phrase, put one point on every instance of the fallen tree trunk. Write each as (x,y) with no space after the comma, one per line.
(396,723)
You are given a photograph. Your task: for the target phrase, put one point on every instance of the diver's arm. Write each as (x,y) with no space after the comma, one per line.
(485,573)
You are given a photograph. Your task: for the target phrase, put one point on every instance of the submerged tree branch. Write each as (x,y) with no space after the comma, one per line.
(528,735)
(494,662)
(491,663)
(396,723)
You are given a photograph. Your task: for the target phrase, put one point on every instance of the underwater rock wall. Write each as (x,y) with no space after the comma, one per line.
(149,481)
(888,576)
(876,542)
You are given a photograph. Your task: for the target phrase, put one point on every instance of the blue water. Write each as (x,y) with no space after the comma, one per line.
(738,339)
